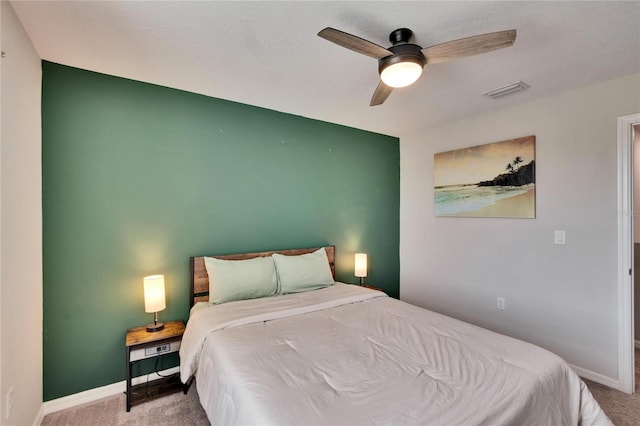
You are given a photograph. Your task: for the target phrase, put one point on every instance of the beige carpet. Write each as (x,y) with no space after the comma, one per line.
(180,409)
(176,409)
(622,409)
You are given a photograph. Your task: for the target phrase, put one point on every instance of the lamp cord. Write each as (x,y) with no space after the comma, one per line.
(155,370)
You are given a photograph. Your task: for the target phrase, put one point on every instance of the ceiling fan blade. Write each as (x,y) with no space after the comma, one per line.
(381,94)
(469,46)
(354,43)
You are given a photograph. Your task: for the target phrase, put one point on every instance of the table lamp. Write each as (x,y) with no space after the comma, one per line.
(361,266)
(154,299)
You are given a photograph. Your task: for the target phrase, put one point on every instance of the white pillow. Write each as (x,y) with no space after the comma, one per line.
(303,272)
(231,280)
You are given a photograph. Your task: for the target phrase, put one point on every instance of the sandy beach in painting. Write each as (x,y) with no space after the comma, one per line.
(522,205)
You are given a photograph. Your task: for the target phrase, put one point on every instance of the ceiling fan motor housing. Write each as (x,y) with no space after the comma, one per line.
(402,53)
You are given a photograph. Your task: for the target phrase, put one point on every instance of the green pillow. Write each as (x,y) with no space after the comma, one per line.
(303,272)
(231,280)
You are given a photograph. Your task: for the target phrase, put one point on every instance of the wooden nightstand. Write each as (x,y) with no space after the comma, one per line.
(370,287)
(141,344)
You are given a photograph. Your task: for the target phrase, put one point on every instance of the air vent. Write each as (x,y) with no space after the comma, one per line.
(506,90)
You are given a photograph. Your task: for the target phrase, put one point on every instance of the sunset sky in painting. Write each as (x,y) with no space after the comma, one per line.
(479,163)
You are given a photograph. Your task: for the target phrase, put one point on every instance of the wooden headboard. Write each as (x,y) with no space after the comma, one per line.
(199,280)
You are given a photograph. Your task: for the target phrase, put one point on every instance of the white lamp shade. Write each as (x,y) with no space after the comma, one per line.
(154,300)
(361,265)
(401,74)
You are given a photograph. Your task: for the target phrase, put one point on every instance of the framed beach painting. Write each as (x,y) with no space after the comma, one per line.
(492,180)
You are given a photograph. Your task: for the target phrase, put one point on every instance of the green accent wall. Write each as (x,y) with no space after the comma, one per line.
(138,177)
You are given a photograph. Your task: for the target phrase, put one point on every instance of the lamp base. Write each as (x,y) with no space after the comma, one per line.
(155,327)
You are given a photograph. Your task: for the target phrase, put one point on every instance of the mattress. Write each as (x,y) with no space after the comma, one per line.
(346,355)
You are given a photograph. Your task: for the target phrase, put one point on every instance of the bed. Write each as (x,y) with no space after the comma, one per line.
(341,354)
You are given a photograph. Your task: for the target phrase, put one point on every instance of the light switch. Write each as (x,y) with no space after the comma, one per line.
(559,237)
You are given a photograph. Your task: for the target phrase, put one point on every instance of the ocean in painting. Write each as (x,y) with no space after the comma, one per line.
(454,199)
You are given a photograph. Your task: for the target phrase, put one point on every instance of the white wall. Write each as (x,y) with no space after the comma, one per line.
(561,297)
(21,225)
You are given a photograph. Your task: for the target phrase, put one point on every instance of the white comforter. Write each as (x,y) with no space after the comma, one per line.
(348,355)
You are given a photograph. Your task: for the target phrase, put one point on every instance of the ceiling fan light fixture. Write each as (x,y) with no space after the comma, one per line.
(401,74)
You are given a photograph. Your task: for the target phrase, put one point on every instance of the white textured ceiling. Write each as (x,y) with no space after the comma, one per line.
(268,54)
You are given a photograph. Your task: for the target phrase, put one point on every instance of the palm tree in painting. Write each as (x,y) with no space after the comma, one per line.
(516,161)
(509,168)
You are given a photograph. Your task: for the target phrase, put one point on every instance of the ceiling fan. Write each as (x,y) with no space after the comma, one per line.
(401,64)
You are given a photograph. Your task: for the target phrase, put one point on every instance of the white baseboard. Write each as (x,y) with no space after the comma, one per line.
(596,377)
(95,394)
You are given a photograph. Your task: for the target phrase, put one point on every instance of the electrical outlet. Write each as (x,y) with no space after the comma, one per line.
(559,237)
(157,349)
(9,403)
(502,303)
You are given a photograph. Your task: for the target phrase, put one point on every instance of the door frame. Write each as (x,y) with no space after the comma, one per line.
(625,213)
